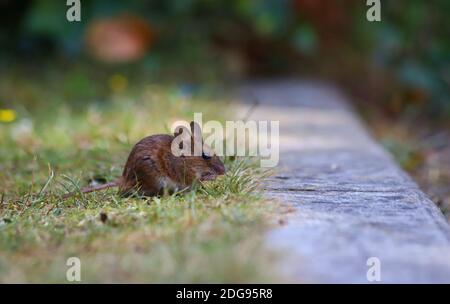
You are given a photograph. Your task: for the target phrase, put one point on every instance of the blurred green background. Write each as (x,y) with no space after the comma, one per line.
(75,96)
(400,64)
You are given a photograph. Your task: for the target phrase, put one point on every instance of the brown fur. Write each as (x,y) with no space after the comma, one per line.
(152,169)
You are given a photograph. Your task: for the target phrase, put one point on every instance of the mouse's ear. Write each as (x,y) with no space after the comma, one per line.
(197,139)
(195,129)
(182,141)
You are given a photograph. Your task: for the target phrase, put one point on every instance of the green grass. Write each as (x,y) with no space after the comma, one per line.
(61,139)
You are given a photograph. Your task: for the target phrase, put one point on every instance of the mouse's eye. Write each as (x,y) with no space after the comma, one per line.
(205,156)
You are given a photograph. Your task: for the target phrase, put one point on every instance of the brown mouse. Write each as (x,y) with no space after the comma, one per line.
(152,169)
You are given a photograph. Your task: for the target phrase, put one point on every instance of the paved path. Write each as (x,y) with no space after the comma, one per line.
(351,200)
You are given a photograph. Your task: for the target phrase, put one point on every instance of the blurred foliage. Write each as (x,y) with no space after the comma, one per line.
(407,155)
(230,38)
(414,45)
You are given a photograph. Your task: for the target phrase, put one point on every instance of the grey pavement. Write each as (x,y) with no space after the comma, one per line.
(351,200)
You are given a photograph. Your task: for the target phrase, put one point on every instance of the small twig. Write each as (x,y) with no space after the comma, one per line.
(49,179)
(50,209)
(2,200)
(251,110)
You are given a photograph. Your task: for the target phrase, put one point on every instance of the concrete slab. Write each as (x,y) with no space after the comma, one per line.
(351,200)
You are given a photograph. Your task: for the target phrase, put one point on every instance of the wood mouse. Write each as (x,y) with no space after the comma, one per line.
(152,169)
